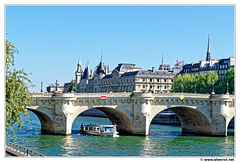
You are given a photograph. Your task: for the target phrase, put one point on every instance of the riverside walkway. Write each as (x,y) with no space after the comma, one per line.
(17,150)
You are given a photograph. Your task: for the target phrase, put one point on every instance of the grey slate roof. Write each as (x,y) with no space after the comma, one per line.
(86,73)
(144,73)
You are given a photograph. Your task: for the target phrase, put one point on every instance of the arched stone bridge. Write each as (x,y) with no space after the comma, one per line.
(133,112)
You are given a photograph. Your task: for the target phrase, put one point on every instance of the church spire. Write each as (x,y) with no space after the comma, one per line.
(208,58)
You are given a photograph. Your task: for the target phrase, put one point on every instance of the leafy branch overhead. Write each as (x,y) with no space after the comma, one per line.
(17,96)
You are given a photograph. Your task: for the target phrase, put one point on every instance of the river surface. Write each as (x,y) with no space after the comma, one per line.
(163,140)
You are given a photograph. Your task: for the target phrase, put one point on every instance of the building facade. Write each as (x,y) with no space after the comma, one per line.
(125,77)
(219,66)
(55,88)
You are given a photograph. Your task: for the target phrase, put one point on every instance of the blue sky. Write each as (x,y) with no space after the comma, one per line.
(51,39)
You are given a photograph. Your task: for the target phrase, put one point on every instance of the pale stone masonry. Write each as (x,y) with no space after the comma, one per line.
(124,78)
(134,112)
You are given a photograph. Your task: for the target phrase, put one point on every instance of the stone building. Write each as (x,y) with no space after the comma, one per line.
(126,77)
(55,88)
(68,86)
(219,66)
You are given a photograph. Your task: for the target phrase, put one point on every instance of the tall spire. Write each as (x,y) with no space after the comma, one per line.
(79,68)
(101,55)
(208,58)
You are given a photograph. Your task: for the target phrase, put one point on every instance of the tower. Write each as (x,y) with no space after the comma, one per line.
(208,58)
(79,72)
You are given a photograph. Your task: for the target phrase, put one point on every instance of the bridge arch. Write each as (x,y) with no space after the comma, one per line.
(192,120)
(46,119)
(122,120)
(229,120)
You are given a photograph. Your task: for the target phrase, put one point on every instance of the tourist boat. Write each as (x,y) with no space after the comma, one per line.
(100,130)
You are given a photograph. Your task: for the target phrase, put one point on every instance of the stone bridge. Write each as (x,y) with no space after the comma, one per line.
(133,112)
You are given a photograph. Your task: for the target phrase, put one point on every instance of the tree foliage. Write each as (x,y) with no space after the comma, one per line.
(72,87)
(203,83)
(228,80)
(17,96)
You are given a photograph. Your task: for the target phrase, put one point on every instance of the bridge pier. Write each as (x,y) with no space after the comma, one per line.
(63,110)
(141,112)
(220,114)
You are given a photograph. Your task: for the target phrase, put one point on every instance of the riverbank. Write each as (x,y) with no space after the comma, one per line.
(13,149)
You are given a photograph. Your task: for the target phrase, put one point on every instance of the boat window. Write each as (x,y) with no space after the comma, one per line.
(109,129)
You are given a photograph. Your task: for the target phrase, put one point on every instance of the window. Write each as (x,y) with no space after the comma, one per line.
(165,80)
(158,80)
(150,80)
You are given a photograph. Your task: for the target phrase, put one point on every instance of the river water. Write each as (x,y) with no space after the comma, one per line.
(163,140)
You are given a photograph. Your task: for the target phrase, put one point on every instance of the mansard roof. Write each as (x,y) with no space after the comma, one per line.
(155,73)
(144,73)
(107,76)
(132,73)
(122,67)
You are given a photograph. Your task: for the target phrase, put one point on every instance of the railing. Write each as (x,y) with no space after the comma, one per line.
(22,150)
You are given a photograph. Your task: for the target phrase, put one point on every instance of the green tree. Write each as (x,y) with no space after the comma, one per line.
(229,78)
(17,96)
(211,79)
(183,83)
(221,85)
(177,85)
(186,83)
(73,87)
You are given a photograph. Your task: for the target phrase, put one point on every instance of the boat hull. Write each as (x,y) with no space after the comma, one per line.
(97,133)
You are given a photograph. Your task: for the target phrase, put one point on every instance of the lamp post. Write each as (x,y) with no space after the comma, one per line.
(195,91)
(227,89)
(41,86)
(56,86)
(213,89)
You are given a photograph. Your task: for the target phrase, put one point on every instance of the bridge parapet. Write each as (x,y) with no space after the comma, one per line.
(41,94)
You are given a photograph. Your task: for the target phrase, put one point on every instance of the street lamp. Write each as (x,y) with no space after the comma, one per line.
(56,85)
(227,89)
(213,89)
(195,88)
(41,86)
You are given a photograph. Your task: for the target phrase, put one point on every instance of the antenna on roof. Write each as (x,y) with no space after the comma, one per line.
(162,61)
(87,64)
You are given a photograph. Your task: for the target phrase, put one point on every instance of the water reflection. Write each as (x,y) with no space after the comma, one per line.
(148,147)
(67,144)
